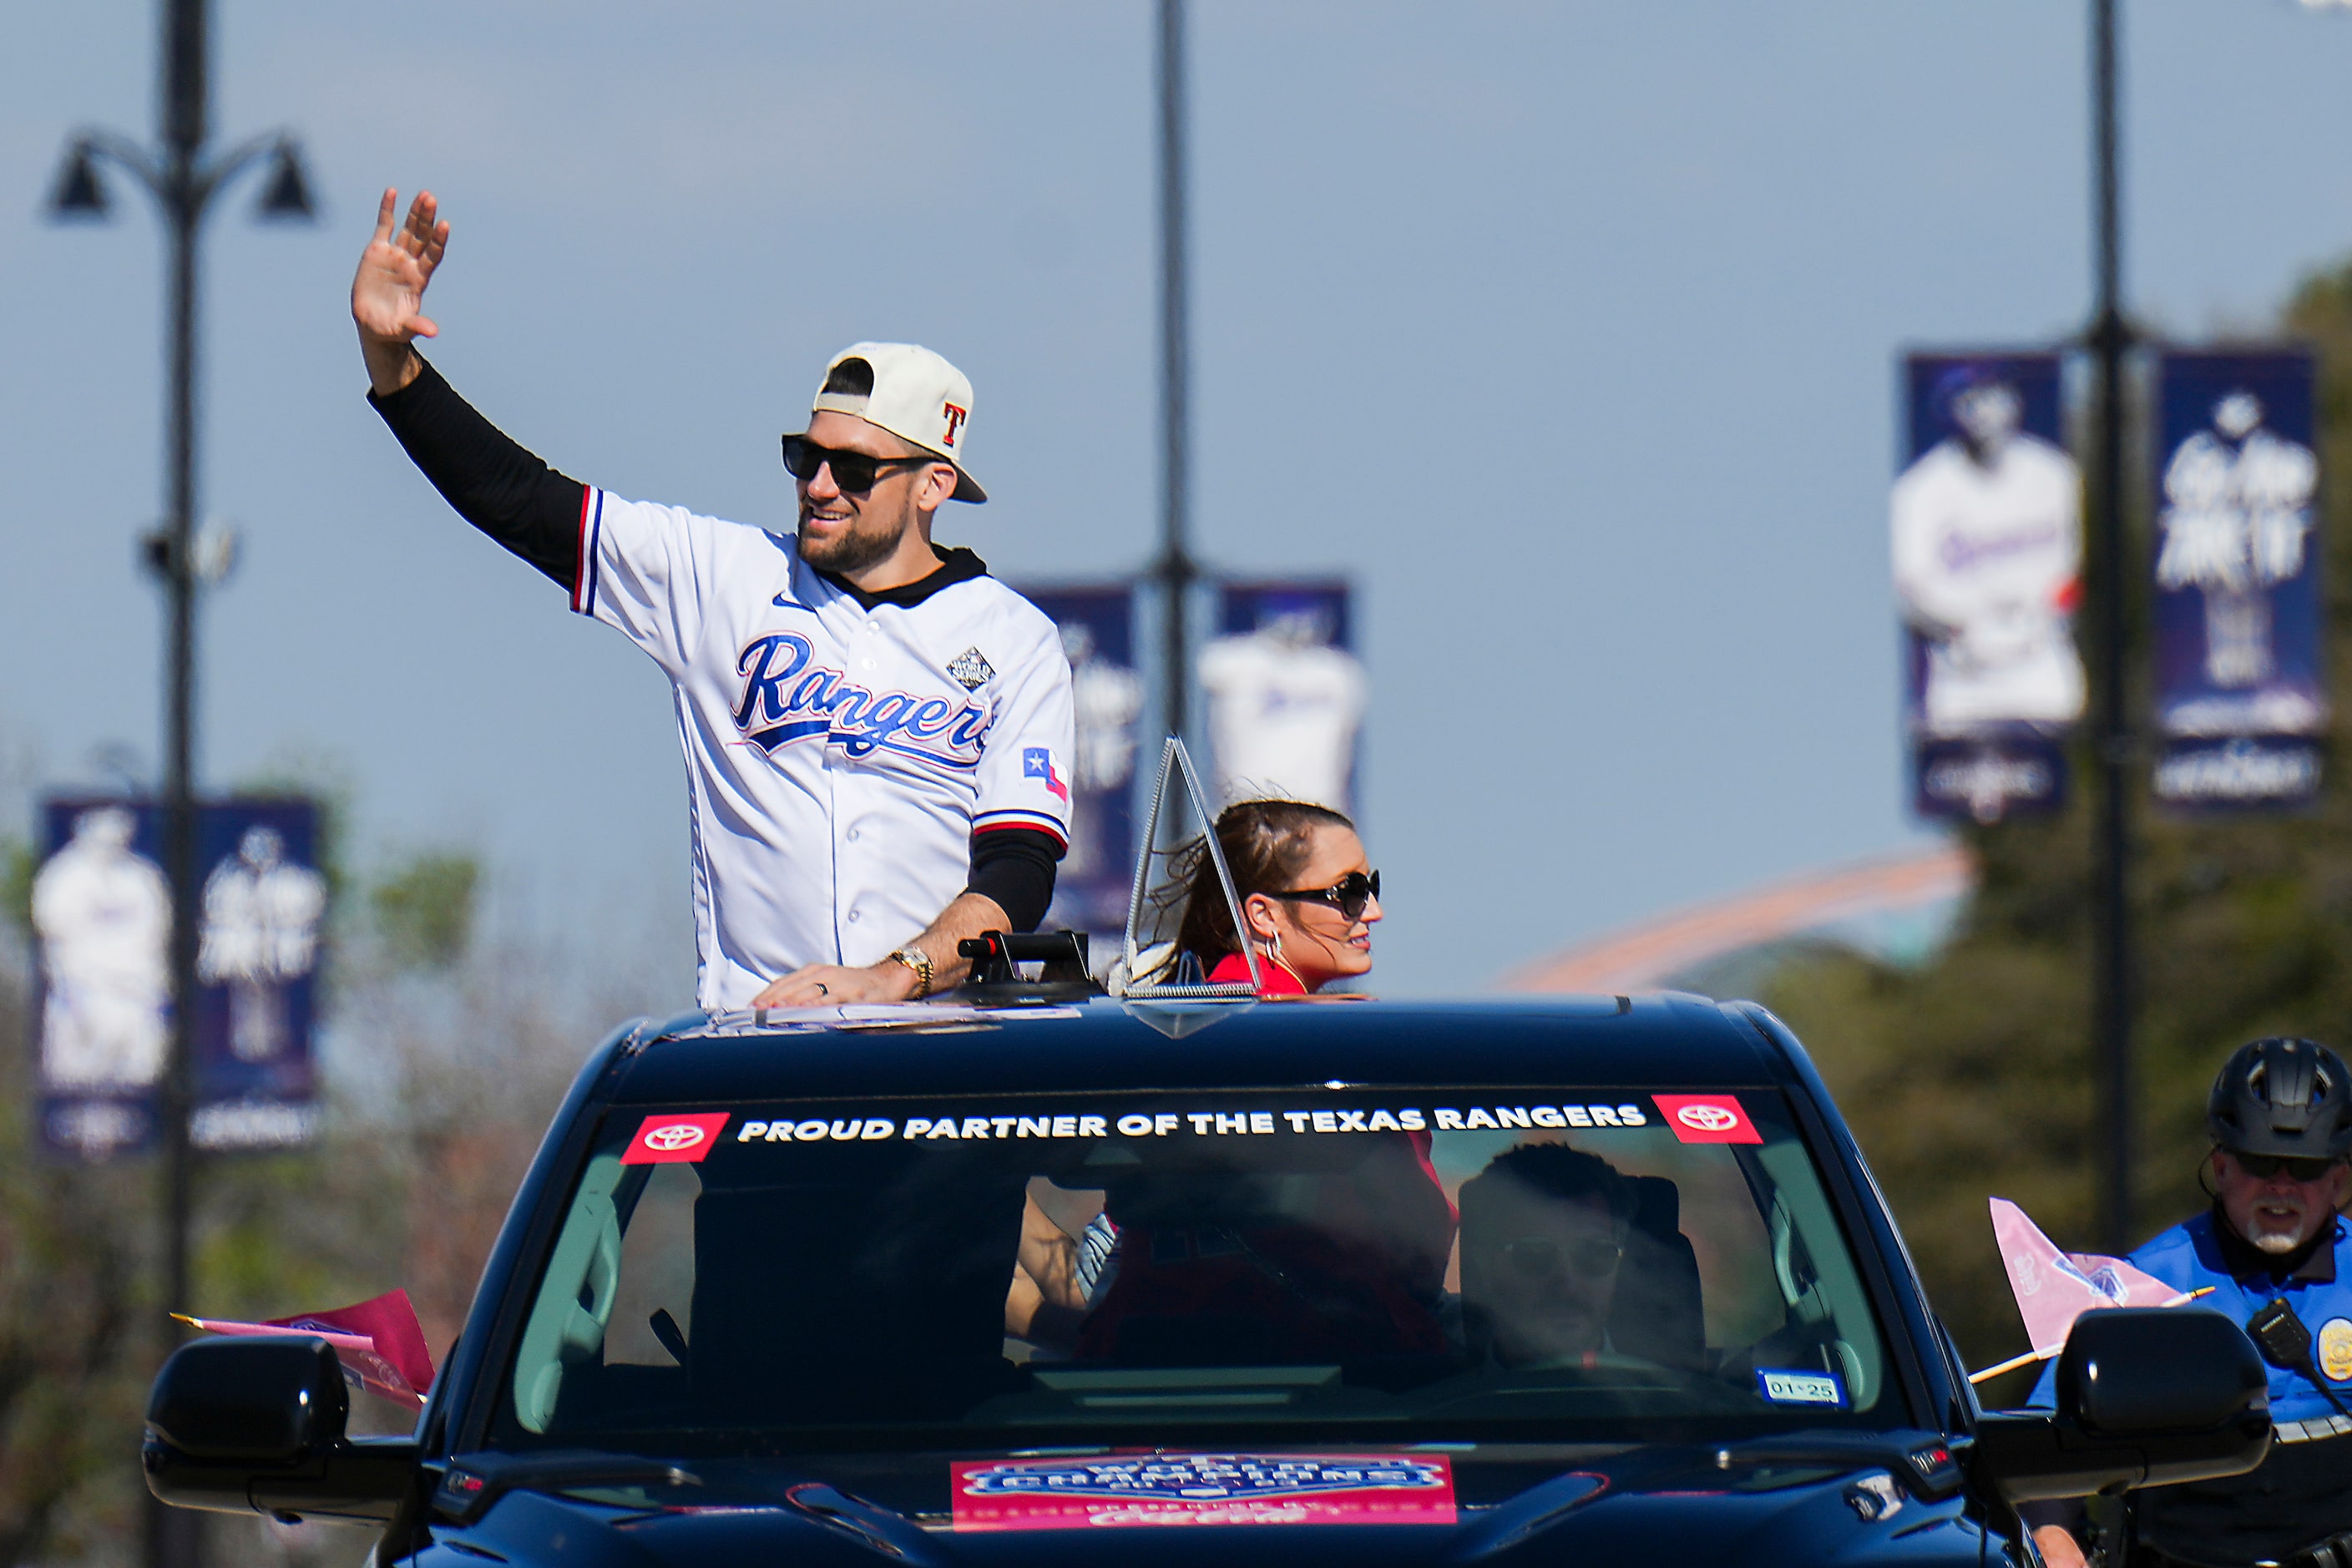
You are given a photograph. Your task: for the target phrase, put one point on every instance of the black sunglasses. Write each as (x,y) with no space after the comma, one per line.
(854,473)
(1540,1257)
(2263,1167)
(1349,895)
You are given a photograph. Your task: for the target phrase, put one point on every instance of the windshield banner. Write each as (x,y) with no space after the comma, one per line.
(1705,1118)
(2238,685)
(1988,550)
(1204,1488)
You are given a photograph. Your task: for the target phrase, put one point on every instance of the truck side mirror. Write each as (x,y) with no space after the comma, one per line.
(2157,1372)
(255,1422)
(2147,1396)
(267,1400)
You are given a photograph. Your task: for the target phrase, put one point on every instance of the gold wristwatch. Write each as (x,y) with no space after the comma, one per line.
(916,959)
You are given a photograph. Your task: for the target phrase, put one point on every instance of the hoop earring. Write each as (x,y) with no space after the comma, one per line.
(1272,945)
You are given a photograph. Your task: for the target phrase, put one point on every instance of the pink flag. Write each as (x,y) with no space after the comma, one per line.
(379,1342)
(2054,1287)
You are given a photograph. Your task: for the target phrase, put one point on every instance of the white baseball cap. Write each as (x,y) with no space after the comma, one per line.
(915,395)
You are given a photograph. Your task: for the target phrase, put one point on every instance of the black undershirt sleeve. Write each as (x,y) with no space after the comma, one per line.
(487,475)
(1014,866)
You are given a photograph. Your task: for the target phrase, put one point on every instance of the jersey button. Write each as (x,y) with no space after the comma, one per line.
(853,917)
(867,663)
(851,835)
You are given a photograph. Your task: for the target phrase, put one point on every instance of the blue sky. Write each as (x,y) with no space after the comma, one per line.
(1568,330)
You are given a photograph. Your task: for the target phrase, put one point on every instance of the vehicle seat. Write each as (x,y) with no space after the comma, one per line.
(1658,1314)
(833,1298)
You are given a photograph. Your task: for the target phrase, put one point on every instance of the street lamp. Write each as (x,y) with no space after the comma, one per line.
(184,180)
(2113,745)
(2111,739)
(1176,569)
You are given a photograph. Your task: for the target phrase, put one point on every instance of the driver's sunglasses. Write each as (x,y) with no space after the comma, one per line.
(1540,1257)
(2299,1168)
(1349,895)
(854,473)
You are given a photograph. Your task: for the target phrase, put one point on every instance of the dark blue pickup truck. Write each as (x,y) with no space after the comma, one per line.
(979,1280)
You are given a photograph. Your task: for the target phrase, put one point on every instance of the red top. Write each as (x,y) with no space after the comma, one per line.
(1274,980)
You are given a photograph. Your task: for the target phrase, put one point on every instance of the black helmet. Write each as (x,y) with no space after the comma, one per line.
(2284,1097)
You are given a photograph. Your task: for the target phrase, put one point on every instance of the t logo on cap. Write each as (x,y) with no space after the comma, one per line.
(894,386)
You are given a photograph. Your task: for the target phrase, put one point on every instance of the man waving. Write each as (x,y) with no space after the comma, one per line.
(876,732)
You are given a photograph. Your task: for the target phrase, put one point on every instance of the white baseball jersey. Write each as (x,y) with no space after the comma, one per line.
(838,759)
(1992,552)
(1282,717)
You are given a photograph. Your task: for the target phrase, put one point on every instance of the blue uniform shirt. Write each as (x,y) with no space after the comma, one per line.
(2193,1255)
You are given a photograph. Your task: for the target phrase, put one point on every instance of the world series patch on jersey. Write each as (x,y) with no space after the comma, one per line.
(838,759)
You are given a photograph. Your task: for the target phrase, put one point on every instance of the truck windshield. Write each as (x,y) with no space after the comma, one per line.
(1488,1263)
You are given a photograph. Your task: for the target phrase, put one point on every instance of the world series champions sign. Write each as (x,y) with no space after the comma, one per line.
(2241,691)
(101,913)
(1987,545)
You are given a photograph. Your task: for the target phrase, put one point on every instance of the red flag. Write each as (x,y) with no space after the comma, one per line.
(379,1342)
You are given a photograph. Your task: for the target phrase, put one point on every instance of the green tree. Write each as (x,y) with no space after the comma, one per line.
(1972,1075)
(424,910)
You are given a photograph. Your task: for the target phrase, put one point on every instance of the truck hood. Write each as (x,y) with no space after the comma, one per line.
(1849,1498)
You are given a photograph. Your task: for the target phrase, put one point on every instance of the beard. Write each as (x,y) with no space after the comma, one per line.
(869,540)
(2265,1232)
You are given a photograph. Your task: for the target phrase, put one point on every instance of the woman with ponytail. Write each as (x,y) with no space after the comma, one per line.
(1308,897)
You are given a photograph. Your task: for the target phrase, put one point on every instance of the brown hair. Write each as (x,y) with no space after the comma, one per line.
(1267,845)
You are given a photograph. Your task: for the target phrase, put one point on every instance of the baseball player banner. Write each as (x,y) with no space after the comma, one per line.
(1286,693)
(2240,697)
(1986,533)
(1097,627)
(101,925)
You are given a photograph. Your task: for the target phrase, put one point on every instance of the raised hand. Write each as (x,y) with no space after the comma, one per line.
(389,289)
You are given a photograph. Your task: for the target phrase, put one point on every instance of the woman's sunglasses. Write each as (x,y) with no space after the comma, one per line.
(854,473)
(1349,895)
(2263,1167)
(1540,1257)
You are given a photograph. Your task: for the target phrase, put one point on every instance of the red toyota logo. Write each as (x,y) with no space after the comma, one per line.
(674,1138)
(1707,1118)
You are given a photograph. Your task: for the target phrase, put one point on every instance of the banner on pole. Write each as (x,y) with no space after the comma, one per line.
(1097,627)
(2241,691)
(1285,691)
(101,925)
(1986,534)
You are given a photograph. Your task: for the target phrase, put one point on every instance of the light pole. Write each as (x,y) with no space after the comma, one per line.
(2112,740)
(183,180)
(1175,569)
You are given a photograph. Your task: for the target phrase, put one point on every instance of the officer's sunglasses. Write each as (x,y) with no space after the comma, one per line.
(854,473)
(1349,895)
(1534,1257)
(2263,1167)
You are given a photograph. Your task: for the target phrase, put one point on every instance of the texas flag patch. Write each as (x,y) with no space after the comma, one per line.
(1038,762)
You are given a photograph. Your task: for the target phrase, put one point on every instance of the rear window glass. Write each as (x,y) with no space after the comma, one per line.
(1480,1262)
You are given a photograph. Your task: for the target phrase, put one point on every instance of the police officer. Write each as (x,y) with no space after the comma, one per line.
(2275,1253)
